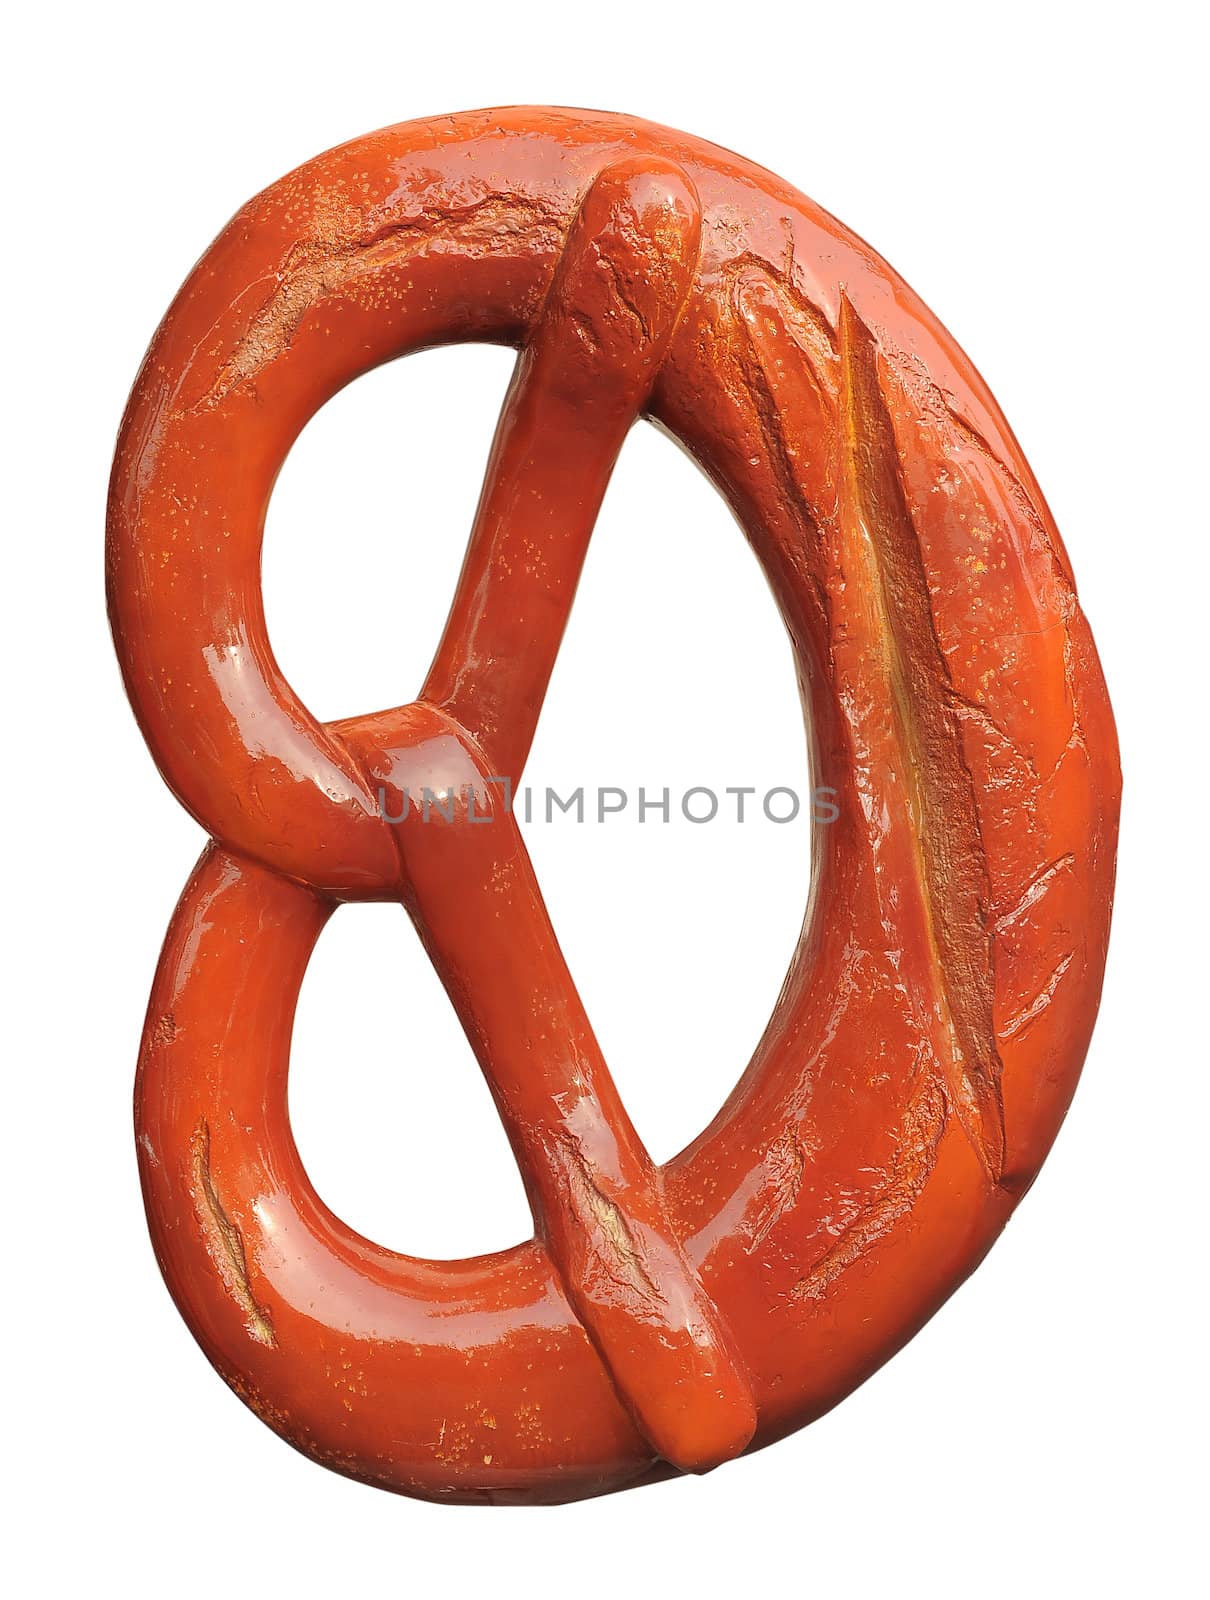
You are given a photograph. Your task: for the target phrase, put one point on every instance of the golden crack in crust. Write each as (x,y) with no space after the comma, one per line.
(953,863)
(225,1242)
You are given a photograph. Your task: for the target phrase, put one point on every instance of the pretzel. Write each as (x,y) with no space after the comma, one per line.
(933,1022)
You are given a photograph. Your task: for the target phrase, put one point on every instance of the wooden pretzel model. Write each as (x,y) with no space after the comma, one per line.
(928,1037)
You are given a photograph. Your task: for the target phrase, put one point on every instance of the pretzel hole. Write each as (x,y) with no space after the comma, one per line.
(368,524)
(675,671)
(390,1113)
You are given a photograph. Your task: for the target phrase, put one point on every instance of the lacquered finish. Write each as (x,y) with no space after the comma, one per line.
(931,1028)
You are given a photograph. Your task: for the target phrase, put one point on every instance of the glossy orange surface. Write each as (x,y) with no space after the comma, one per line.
(933,1022)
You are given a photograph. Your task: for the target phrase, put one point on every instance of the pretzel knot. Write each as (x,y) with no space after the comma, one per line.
(933,1022)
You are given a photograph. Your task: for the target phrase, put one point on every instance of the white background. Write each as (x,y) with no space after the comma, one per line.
(1031,171)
